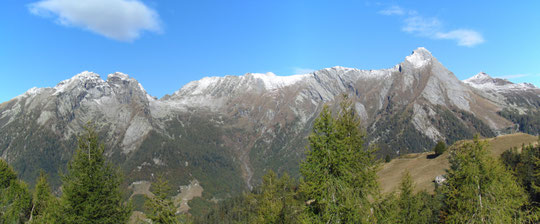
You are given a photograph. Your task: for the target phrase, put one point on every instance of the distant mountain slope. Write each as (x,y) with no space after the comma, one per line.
(227,131)
(423,170)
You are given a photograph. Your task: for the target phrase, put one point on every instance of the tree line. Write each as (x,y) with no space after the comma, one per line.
(90,193)
(338,184)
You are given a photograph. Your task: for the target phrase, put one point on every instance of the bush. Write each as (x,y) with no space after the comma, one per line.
(440,148)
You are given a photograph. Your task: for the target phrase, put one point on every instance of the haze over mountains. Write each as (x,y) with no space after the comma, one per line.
(227,131)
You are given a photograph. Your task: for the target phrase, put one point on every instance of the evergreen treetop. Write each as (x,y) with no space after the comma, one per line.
(339,174)
(91,188)
(479,189)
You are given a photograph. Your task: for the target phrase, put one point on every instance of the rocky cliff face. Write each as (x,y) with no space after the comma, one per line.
(227,131)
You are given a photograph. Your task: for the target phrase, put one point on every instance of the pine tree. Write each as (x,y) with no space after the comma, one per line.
(412,207)
(7,174)
(45,204)
(479,189)
(276,200)
(339,174)
(15,199)
(160,208)
(386,209)
(91,188)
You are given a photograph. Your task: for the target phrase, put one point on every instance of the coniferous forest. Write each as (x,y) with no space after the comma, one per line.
(338,184)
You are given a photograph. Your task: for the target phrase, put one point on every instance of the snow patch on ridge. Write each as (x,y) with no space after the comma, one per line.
(419,57)
(83,77)
(269,81)
(485,82)
(272,81)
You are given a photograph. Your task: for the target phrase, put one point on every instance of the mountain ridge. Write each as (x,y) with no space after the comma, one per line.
(227,131)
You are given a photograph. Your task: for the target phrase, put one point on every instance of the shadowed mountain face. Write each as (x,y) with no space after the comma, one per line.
(227,131)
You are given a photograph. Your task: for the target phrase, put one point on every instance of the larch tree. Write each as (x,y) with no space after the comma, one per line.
(413,207)
(276,200)
(339,173)
(45,204)
(479,189)
(160,208)
(15,199)
(91,187)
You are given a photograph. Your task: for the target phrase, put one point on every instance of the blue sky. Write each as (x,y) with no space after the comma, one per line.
(166,44)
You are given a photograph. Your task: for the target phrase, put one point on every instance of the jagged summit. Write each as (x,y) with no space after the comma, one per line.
(252,122)
(419,57)
(482,75)
(118,75)
(480,78)
(83,77)
(484,81)
(86,75)
(271,81)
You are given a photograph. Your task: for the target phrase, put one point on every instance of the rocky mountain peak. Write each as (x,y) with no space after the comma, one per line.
(118,76)
(486,82)
(419,57)
(271,81)
(86,79)
(481,78)
(82,77)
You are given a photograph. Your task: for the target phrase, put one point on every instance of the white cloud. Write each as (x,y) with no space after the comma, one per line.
(421,26)
(463,37)
(299,71)
(392,10)
(122,20)
(432,28)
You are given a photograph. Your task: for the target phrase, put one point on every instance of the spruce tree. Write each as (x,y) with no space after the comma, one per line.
(15,199)
(276,200)
(339,174)
(91,188)
(479,189)
(45,204)
(7,174)
(413,208)
(160,208)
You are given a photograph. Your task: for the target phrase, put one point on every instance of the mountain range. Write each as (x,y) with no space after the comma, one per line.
(226,132)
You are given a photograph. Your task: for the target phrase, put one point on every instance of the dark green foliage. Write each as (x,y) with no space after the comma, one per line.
(396,132)
(473,123)
(414,208)
(405,206)
(339,175)
(138,201)
(276,201)
(440,148)
(387,159)
(282,153)
(39,148)
(160,208)
(15,199)
(232,210)
(479,189)
(198,142)
(91,188)
(457,124)
(7,174)
(525,167)
(42,195)
(45,204)
(528,123)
